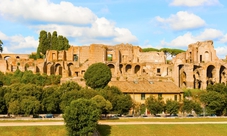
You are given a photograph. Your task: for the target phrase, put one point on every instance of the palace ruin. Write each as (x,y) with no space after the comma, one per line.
(195,68)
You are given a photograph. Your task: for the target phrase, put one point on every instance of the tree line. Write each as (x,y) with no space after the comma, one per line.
(167,51)
(48,41)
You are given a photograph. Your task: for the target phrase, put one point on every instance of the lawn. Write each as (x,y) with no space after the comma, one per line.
(123,130)
(131,130)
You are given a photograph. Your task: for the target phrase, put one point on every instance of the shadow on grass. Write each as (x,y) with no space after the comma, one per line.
(104,130)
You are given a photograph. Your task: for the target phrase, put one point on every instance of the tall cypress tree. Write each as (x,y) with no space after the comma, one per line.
(54,41)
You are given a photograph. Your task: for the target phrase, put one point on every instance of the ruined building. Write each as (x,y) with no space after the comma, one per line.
(195,68)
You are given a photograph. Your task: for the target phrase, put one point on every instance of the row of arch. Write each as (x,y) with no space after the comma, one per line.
(211,75)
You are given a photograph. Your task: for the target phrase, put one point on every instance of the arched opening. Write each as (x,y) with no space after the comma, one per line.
(197,80)
(211,75)
(128,68)
(137,69)
(58,69)
(17,57)
(183,77)
(6,57)
(37,70)
(222,75)
(70,66)
(207,56)
(112,68)
(120,68)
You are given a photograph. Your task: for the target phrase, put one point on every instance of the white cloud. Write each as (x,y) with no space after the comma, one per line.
(188,38)
(224,39)
(211,34)
(101,31)
(44,10)
(3,36)
(182,20)
(14,43)
(181,41)
(193,3)
(221,51)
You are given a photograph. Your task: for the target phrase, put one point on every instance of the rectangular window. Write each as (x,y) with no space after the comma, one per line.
(201,58)
(75,57)
(142,96)
(158,70)
(175,97)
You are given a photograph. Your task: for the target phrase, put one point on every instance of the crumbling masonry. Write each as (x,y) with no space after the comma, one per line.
(195,68)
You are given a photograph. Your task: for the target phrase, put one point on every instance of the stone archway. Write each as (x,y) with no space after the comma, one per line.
(137,69)
(128,69)
(197,79)
(183,81)
(112,68)
(211,75)
(58,69)
(222,75)
(70,73)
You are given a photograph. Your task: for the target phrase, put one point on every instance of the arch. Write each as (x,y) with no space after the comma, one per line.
(6,57)
(70,65)
(222,75)
(210,74)
(50,68)
(58,69)
(112,68)
(17,57)
(121,68)
(137,69)
(206,56)
(128,68)
(183,77)
(197,80)
(37,69)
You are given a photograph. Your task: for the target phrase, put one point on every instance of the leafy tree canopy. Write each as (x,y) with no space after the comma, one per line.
(81,117)
(97,75)
(167,51)
(1,43)
(154,105)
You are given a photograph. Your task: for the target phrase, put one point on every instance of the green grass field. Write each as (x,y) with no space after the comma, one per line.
(131,130)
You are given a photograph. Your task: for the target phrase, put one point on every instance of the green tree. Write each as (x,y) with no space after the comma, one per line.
(81,117)
(154,105)
(54,41)
(104,105)
(214,102)
(172,107)
(121,103)
(1,43)
(51,100)
(97,75)
(44,44)
(30,105)
(14,107)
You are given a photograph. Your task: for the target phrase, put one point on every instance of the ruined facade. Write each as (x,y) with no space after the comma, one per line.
(195,68)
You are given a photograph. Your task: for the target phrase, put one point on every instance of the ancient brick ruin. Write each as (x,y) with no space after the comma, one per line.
(195,68)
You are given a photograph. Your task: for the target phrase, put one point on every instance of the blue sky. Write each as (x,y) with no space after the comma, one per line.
(146,23)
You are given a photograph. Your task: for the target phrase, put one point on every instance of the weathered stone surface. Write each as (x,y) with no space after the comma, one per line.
(195,68)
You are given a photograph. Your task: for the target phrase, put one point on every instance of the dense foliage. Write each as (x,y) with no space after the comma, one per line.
(1,43)
(50,42)
(26,93)
(167,51)
(97,75)
(154,105)
(81,117)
